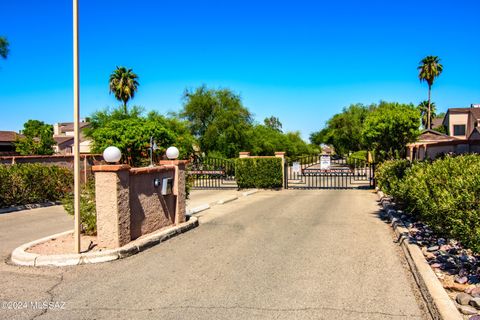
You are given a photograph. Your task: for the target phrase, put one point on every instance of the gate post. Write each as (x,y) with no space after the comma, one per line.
(281,154)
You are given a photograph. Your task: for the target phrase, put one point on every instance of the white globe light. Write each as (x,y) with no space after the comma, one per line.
(172,153)
(112,154)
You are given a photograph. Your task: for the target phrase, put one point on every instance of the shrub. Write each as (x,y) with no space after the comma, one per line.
(22,184)
(358,158)
(88,212)
(389,175)
(444,194)
(266,173)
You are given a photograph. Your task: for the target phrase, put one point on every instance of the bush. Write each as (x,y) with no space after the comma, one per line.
(28,183)
(444,194)
(358,158)
(389,175)
(88,212)
(266,173)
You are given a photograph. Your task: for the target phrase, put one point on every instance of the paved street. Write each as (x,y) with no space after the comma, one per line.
(319,254)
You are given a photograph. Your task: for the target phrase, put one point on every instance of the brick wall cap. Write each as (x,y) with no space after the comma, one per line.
(145,170)
(110,167)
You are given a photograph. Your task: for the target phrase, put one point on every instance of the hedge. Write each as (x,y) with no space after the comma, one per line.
(22,184)
(444,194)
(389,174)
(265,173)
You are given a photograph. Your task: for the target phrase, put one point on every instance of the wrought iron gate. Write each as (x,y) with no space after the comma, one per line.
(328,172)
(212,173)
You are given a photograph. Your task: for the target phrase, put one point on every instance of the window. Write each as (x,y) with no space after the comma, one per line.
(458,129)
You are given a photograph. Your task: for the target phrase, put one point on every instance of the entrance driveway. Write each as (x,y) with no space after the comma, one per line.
(295,254)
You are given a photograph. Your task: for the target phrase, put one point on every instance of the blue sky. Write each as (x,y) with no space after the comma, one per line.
(302,61)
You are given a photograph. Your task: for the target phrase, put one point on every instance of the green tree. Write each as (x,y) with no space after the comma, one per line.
(274,123)
(37,139)
(344,130)
(123,83)
(4,47)
(217,119)
(423,108)
(429,69)
(389,127)
(131,133)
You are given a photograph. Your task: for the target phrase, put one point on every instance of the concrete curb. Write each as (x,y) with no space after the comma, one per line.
(226,200)
(206,206)
(28,207)
(438,302)
(23,258)
(248,193)
(197,209)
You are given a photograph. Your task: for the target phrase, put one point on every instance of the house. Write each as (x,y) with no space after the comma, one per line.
(462,125)
(7,142)
(63,134)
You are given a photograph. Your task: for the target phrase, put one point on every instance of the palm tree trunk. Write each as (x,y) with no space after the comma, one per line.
(429,108)
(125,107)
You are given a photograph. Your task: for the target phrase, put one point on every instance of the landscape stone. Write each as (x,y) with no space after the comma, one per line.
(475,292)
(474,318)
(461,280)
(475,302)
(433,248)
(430,256)
(468,310)
(463,298)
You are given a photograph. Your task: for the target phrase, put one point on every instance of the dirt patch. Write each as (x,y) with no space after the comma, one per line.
(65,245)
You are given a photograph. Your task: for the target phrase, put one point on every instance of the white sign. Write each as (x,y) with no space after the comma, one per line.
(325,162)
(296,167)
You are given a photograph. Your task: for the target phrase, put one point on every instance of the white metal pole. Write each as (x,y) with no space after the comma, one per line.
(76,116)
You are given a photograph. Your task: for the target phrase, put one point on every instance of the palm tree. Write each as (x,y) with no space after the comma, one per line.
(3,47)
(423,107)
(429,69)
(123,84)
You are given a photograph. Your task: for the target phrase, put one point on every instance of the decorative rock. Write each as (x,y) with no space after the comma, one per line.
(474,318)
(475,292)
(445,247)
(463,298)
(475,302)
(429,256)
(433,248)
(468,310)
(461,280)
(441,241)
(436,265)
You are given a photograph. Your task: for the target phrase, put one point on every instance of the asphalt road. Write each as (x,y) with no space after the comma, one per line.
(275,255)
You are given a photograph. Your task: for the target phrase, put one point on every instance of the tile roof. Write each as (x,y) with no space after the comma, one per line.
(68,126)
(62,139)
(474,111)
(8,136)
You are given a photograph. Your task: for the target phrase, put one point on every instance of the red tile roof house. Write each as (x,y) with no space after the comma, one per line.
(463,135)
(63,136)
(7,143)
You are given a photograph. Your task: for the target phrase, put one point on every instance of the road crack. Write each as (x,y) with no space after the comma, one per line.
(51,296)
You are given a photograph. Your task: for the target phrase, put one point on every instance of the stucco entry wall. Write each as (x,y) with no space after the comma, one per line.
(149,210)
(129,205)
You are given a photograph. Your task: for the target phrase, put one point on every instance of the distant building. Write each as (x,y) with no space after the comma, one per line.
(7,142)
(63,134)
(463,135)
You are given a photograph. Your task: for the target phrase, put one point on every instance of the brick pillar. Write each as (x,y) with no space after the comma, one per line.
(112,197)
(244,154)
(178,188)
(282,156)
